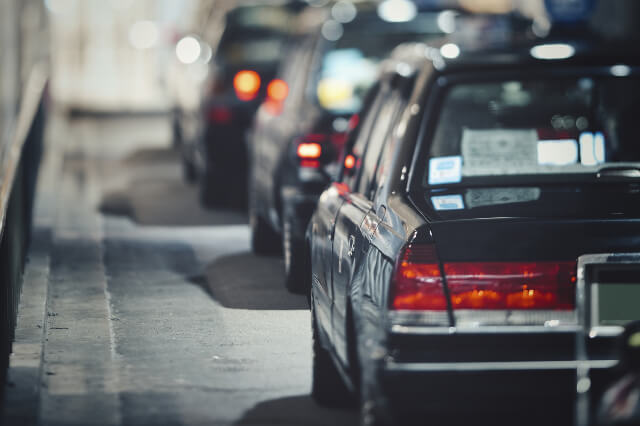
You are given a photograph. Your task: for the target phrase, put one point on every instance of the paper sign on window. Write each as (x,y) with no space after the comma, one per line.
(492,152)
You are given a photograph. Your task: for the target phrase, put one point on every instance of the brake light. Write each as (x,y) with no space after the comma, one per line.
(349,162)
(418,284)
(246,84)
(277,90)
(339,139)
(309,150)
(220,115)
(353,121)
(417,281)
(511,285)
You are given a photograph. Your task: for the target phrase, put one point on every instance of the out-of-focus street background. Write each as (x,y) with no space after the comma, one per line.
(131,294)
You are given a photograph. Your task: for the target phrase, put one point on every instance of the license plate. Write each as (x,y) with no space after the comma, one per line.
(617,304)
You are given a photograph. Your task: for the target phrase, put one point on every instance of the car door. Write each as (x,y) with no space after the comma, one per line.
(351,235)
(324,219)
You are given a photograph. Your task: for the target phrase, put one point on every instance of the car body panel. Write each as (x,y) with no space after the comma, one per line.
(410,361)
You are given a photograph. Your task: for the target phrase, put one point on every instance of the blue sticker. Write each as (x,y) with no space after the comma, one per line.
(448,202)
(445,170)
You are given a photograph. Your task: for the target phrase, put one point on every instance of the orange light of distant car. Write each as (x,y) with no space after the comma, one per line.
(277,90)
(246,83)
(349,161)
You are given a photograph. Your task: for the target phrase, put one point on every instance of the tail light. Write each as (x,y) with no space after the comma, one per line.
(220,115)
(246,84)
(511,285)
(277,90)
(349,162)
(353,122)
(317,149)
(417,281)
(309,151)
(418,284)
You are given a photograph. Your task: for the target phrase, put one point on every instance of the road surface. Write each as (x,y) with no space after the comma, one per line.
(140,307)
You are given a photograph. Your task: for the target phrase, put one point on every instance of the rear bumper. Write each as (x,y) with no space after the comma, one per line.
(494,396)
(507,377)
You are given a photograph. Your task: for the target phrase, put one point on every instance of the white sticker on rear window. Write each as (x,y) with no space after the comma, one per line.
(592,148)
(494,152)
(561,152)
(448,202)
(445,170)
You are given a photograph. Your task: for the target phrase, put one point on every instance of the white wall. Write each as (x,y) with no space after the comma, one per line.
(94,64)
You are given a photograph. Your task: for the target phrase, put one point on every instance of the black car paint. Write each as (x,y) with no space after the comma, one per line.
(341,215)
(486,234)
(273,165)
(215,151)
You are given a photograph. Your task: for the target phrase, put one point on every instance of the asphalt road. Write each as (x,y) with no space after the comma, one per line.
(140,307)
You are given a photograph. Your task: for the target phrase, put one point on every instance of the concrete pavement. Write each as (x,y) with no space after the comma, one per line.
(141,308)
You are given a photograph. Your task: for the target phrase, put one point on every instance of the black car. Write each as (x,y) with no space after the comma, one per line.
(245,61)
(480,229)
(296,144)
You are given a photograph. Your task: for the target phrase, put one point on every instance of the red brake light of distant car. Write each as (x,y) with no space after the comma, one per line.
(310,164)
(277,90)
(246,84)
(353,121)
(309,150)
(349,162)
(339,139)
(220,115)
(417,280)
(511,285)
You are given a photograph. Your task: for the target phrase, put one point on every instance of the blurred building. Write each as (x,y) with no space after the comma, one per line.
(110,55)
(120,54)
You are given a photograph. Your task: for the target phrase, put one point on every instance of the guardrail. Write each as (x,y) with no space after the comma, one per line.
(19,161)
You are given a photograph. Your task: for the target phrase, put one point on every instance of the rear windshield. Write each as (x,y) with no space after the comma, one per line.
(536,129)
(350,65)
(254,35)
(254,48)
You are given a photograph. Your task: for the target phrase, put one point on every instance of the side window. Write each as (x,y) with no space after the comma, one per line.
(384,164)
(385,119)
(368,118)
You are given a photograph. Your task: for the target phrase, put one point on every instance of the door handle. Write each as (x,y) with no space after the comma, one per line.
(371,221)
(370,224)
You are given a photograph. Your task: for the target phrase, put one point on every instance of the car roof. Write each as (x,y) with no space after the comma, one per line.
(583,53)
(451,56)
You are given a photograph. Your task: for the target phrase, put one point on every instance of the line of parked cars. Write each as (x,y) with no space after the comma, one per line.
(462,209)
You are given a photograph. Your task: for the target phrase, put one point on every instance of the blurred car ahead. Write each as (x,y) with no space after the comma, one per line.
(444,278)
(213,136)
(297,140)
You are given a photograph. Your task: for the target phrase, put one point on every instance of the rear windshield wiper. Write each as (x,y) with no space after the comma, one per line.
(626,172)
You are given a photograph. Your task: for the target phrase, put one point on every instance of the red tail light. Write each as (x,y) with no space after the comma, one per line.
(277,90)
(511,285)
(220,115)
(418,284)
(246,84)
(309,150)
(349,162)
(353,121)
